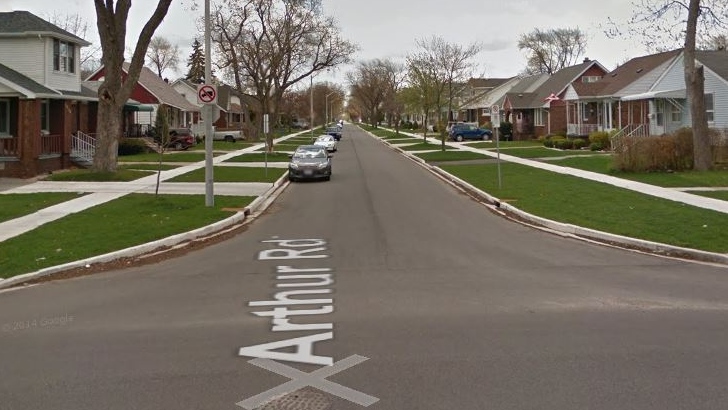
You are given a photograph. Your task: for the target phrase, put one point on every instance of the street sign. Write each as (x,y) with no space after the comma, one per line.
(206,94)
(495,116)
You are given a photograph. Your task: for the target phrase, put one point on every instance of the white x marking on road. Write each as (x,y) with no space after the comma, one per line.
(316,379)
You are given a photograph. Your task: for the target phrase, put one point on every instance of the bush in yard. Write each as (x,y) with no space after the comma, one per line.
(131,146)
(672,152)
(415,126)
(595,146)
(603,138)
(563,143)
(505,129)
(579,143)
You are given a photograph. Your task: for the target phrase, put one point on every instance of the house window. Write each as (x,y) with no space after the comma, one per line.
(486,111)
(44,116)
(590,78)
(709,107)
(4,117)
(675,113)
(63,56)
(538,117)
(660,112)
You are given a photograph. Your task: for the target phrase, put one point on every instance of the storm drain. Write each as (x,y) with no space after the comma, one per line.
(307,398)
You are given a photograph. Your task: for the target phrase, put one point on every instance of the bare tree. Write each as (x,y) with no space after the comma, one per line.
(75,24)
(370,85)
(718,43)
(116,89)
(427,85)
(448,65)
(665,24)
(269,45)
(162,55)
(549,51)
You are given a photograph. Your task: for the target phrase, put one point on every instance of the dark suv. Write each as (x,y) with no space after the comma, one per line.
(463,131)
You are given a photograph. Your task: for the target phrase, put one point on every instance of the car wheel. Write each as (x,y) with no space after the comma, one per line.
(485,137)
(178,145)
(459,138)
(328,178)
(229,138)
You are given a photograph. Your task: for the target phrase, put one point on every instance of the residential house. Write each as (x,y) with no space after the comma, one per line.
(42,101)
(231,106)
(620,99)
(667,104)
(149,93)
(473,96)
(542,111)
(479,109)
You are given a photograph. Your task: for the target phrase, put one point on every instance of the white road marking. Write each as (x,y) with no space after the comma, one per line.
(315,379)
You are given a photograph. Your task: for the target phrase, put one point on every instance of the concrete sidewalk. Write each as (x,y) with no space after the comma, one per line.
(108,191)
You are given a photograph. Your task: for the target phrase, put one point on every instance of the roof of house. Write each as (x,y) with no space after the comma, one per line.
(556,83)
(624,75)
(486,82)
(32,89)
(716,61)
(25,23)
(162,90)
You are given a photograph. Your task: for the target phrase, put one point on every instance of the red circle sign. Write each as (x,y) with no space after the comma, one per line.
(207,93)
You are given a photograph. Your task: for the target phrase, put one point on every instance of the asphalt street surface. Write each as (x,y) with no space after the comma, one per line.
(384,288)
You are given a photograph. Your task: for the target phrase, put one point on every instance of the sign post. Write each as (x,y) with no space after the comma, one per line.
(207,95)
(495,120)
(265,135)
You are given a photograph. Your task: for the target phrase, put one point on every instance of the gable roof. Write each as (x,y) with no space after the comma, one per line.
(160,89)
(486,82)
(24,24)
(716,61)
(30,88)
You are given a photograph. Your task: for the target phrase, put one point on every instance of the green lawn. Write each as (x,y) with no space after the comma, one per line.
(177,156)
(603,164)
(232,174)
(542,152)
(722,195)
(403,140)
(505,144)
(261,157)
(151,166)
(87,175)
(424,147)
(450,156)
(131,220)
(223,146)
(600,206)
(16,205)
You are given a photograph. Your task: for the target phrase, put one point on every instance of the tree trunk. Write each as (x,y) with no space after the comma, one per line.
(107,140)
(695,87)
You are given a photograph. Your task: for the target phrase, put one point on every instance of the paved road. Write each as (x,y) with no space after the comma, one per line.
(419,297)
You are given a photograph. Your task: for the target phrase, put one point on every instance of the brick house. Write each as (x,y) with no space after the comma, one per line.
(42,100)
(543,111)
(140,112)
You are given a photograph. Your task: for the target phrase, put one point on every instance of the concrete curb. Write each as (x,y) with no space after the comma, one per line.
(567,230)
(258,205)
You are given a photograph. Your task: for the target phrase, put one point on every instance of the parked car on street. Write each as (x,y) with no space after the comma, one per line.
(299,124)
(309,162)
(179,138)
(328,142)
(465,131)
(335,132)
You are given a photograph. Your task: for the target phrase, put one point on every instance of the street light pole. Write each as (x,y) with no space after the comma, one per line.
(327,105)
(311,105)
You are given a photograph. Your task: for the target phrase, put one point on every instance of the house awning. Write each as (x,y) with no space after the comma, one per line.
(138,107)
(655,94)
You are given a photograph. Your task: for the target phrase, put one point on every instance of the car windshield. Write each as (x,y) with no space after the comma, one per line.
(309,154)
(324,138)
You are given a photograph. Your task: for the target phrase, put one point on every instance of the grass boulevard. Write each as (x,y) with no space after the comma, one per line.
(561,198)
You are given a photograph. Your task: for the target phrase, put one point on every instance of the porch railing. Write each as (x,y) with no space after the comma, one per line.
(83,147)
(9,147)
(631,130)
(50,144)
(581,129)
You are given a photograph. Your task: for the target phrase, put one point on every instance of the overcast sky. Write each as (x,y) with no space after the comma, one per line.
(389,28)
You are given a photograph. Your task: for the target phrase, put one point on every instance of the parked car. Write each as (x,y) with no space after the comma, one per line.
(229,136)
(464,131)
(334,131)
(328,142)
(179,138)
(309,162)
(299,124)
